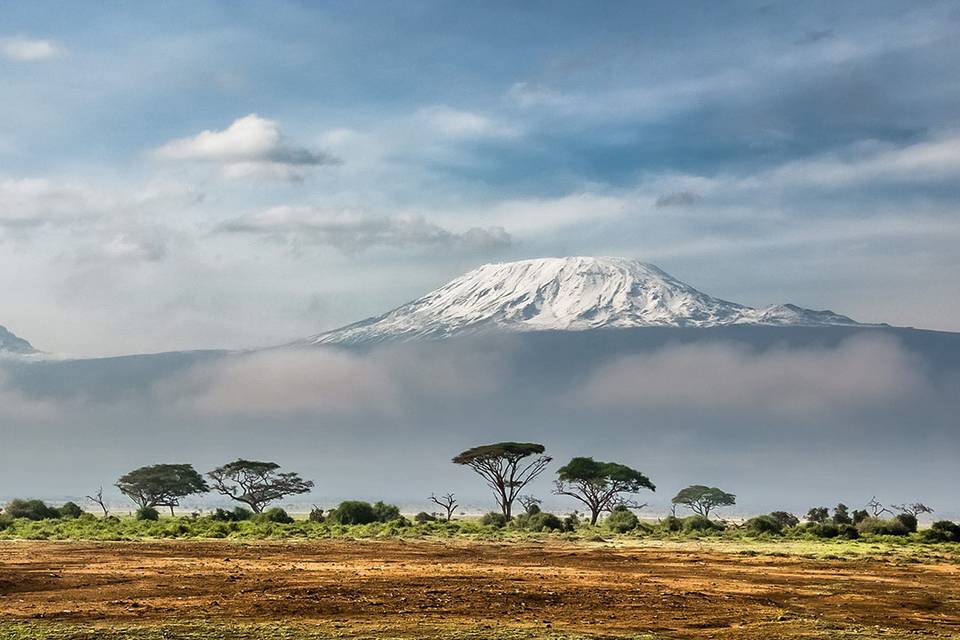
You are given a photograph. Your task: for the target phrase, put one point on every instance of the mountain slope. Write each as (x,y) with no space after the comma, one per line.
(10,343)
(570,294)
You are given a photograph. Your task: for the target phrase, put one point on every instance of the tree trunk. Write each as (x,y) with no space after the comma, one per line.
(594,514)
(171,511)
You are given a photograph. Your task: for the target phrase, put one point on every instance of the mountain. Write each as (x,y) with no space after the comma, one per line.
(566,294)
(13,344)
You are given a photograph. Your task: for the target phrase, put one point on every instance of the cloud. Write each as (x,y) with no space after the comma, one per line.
(124,246)
(677,199)
(352,230)
(330,381)
(30,50)
(28,202)
(250,147)
(863,373)
(453,123)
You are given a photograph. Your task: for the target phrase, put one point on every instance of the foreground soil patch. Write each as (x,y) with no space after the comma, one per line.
(431,589)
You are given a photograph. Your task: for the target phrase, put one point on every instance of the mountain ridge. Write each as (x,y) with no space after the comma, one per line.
(10,343)
(571,294)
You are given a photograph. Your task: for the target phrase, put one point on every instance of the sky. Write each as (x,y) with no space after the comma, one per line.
(223,175)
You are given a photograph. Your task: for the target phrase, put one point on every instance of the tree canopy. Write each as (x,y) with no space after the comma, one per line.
(256,483)
(505,468)
(701,500)
(161,485)
(599,485)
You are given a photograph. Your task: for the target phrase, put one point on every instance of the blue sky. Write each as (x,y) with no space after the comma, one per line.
(224,175)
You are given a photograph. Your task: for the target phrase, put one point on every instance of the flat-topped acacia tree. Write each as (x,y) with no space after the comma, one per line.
(256,484)
(161,485)
(702,500)
(506,468)
(600,486)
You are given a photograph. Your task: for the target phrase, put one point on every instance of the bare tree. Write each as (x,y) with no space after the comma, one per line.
(877,508)
(97,499)
(447,502)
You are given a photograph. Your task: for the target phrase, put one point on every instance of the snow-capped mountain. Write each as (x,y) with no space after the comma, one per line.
(13,344)
(572,294)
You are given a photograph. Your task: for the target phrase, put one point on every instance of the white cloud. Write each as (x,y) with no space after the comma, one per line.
(29,49)
(250,147)
(353,230)
(454,123)
(861,373)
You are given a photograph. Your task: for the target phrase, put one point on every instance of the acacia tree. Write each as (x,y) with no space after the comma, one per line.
(161,485)
(505,468)
(256,483)
(600,485)
(447,501)
(702,500)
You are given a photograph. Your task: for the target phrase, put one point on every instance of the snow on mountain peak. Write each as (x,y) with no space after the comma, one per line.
(11,343)
(575,293)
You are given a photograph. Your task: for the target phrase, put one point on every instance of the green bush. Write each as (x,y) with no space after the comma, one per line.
(494,519)
(672,524)
(942,531)
(316,515)
(763,524)
(353,512)
(571,522)
(70,510)
(423,516)
(543,521)
(785,519)
(386,512)
(622,520)
(275,514)
(699,524)
(881,527)
(31,510)
(147,513)
(908,520)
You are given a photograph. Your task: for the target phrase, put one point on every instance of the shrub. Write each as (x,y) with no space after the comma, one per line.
(275,514)
(494,519)
(622,520)
(818,515)
(859,515)
(147,513)
(423,516)
(353,512)
(841,514)
(571,522)
(31,510)
(785,519)
(942,531)
(697,524)
(908,520)
(235,515)
(386,512)
(881,527)
(543,521)
(672,524)
(763,524)
(70,510)
(316,515)
(241,513)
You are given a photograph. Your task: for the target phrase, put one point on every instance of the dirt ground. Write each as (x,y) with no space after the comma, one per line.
(664,591)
